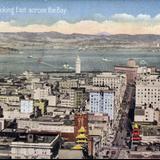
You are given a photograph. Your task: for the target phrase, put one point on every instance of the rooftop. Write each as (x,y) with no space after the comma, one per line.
(139,112)
(41,139)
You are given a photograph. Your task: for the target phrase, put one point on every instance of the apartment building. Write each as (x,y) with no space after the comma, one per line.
(148,90)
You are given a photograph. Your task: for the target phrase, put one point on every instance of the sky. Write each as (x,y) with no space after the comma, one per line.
(81,16)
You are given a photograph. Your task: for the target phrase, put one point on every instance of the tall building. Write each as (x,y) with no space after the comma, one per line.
(131,63)
(115,81)
(130,70)
(78,65)
(102,102)
(148,90)
(81,119)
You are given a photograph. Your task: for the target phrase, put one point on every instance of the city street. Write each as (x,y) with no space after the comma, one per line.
(119,148)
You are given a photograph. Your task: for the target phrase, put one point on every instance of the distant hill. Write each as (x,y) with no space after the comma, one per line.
(7,50)
(29,36)
(55,39)
(104,34)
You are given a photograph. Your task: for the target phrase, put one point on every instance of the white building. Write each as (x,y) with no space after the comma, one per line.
(116,81)
(68,83)
(26,106)
(14,114)
(102,101)
(78,65)
(144,70)
(48,125)
(42,93)
(146,114)
(99,125)
(112,80)
(148,90)
(52,100)
(41,148)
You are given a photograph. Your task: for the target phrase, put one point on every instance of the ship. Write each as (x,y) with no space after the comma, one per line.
(67,67)
(106,59)
(30,56)
(143,62)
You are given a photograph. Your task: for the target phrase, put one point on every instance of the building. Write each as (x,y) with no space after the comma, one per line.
(68,83)
(115,81)
(10,99)
(131,63)
(15,114)
(147,114)
(102,101)
(42,93)
(41,105)
(26,106)
(80,119)
(145,70)
(78,65)
(81,139)
(148,90)
(69,153)
(109,79)
(36,147)
(73,97)
(44,125)
(130,70)
(52,100)
(23,144)
(99,125)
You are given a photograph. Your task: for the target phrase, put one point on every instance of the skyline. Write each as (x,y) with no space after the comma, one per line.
(85,17)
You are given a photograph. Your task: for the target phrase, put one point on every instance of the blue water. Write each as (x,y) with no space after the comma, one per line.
(91,60)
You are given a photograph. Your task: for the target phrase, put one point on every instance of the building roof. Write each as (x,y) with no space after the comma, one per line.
(82,141)
(81,136)
(77,147)
(126,67)
(139,112)
(82,130)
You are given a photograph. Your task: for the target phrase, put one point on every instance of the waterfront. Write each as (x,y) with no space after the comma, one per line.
(38,60)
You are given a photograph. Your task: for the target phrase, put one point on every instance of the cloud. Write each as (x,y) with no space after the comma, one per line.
(130,18)
(122,17)
(117,24)
(143,17)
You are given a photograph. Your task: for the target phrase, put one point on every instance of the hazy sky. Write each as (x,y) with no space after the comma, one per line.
(81,16)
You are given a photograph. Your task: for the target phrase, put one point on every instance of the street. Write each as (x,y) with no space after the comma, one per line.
(119,147)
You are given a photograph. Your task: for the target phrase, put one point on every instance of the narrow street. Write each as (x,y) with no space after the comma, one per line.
(119,147)
(120,139)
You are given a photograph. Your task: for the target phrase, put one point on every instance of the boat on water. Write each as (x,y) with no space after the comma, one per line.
(143,62)
(106,59)
(30,56)
(83,48)
(68,67)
